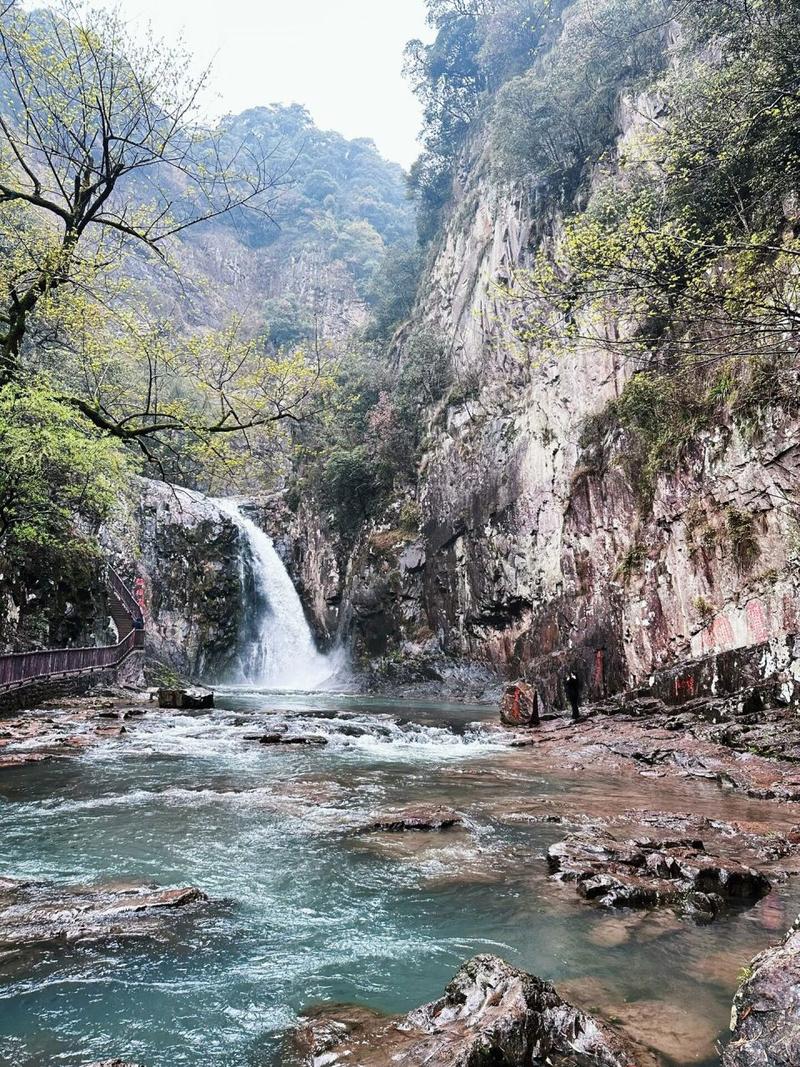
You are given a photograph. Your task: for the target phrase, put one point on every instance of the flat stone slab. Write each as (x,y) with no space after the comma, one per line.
(38,914)
(491,1013)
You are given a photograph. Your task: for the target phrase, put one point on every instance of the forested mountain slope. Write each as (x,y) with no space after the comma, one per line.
(173,297)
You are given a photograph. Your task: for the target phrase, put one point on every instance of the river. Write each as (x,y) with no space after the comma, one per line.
(305,909)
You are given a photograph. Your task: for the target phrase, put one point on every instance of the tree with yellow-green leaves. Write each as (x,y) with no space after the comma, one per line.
(102,160)
(104,163)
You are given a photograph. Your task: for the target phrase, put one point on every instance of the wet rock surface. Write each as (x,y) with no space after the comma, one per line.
(287,739)
(35,915)
(413,819)
(725,741)
(491,1013)
(114,1063)
(653,872)
(66,728)
(766,1012)
(195,697)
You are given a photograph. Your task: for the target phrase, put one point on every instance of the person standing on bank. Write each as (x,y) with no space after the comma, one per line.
(572,689)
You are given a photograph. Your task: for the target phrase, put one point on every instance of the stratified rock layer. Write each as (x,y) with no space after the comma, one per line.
(649,872)
(35,915)
(490,1014)
(766,1012)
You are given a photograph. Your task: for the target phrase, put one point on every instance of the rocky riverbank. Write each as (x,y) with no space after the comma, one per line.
(59,729)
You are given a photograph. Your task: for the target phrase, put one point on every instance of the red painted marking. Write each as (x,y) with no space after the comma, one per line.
(723,632)
(139,593)
(599,668)
(757,621)
(684,686)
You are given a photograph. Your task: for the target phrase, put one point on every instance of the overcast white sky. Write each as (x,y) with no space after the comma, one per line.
(341,58)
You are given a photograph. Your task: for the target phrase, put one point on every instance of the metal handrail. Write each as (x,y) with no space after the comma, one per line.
(23,668)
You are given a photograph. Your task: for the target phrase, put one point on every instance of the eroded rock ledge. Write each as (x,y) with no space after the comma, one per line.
(491,1013)
(647,872)
(36,915)
(766,1012)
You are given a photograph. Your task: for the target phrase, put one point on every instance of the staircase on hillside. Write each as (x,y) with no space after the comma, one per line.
(124,610)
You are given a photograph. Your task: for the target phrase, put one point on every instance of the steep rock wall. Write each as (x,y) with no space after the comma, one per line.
(188,554)
(535,558)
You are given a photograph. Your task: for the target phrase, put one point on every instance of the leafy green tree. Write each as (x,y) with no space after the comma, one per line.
(478,44)
(691,243)
(362,249)
(392,292)
(101,155)
(289,321)
(559,117)
(59,476)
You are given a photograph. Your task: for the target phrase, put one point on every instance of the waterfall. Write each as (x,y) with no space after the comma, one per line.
(279,652)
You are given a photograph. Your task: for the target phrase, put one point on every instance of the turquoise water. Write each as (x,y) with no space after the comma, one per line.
(304,910)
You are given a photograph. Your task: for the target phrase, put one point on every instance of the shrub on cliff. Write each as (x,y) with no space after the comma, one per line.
(559,116)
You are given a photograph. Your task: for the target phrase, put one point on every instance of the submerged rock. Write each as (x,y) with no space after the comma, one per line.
(422,818)
(649,872)
(766,1011)
(36,914)
(491,1013)
(113,1063)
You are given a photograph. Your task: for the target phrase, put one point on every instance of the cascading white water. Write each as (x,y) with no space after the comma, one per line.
(281,653)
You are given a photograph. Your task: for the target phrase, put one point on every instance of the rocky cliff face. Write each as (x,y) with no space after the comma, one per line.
(534,552)
(528,550)
(188,553)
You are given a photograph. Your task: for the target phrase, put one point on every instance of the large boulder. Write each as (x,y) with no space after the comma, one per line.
(194,698)
(490,1014)
(766,1011)
(520,705)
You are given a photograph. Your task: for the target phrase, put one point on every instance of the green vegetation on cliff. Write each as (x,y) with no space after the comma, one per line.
(673,158)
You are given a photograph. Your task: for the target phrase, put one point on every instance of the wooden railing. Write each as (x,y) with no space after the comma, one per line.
(23,668)
(125,597)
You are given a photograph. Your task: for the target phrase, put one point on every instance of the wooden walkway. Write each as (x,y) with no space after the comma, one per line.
(23,668)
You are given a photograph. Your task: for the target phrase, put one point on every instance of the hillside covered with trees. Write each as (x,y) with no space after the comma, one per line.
(172,297)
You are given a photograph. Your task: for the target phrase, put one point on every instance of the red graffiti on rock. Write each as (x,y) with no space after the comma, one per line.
(684,687)
(599,669)
(757,621)
(723,632)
